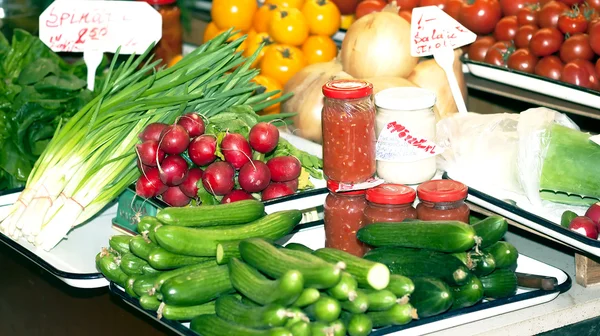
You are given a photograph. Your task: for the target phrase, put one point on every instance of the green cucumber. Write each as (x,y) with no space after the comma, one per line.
(431,296)
(131,264)
(212,325)
(255,286)
(307,297)
(337,328)
(490,230)
(399,314)
(326,309)
(357,324)
(274,262)
(566,218)
(505,254)
(303,256)
(146,223)
(108,264)
(149,302)
(164,276)
(176,313)
(299,247)
(151,234)
(149,270)
(499,284)
(300,328)
(161,259)
(197,287)
(247,300)
(467,294)
(368,273)
(231,309)
(120,243)
(381,299)
(345,288)
(235,213)
(144,285)
(443,236)
(319,328)
(358,305)
(141,247)
(129,286)
(400,285)
(481,263)
(462,256)
(295,315)
(202,242)
(227,250)
(421,263)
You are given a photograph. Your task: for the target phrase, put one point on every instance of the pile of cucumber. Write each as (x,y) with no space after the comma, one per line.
(452,264)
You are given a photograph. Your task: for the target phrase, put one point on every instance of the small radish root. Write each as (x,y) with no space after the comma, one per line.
(159,311)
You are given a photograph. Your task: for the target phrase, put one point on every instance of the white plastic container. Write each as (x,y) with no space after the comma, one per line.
(405,127)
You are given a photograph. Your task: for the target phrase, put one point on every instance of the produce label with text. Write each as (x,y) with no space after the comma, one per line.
(397,144)
(432,29)
(74,26)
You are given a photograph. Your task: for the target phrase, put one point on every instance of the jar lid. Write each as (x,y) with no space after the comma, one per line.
(391,194)
(333,186)
(442,191)
(160,2)
(405,98)
(347,89)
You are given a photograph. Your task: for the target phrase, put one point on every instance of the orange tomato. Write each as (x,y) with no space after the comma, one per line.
(347,21)
(286,3)
(281,62)
(261,20)
(235,14)
(319,49)
(323,17)
(236,36)
(288,26)
(174,60)
(269,84)
(253,43)
(211,31)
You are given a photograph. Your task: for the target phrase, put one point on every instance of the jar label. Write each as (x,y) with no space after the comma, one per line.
(372,182)
(396,144)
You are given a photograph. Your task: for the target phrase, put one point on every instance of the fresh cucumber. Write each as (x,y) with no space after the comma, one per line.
(149,302)
(462,256)
(146,223)
(303,256)
(399,314)
(227,250)
(252,284)
(300,328)
(231,309)
(212,325)
(149,270)
(337,328)
(129,286)
(358,305)
(499,284)
(307,297)
(421,263)
(161,259)
(141,247)
(467,294)
(144,285)
(197,287)
(400,285)
(120,243)
(131,264)
(176,313)
(357,324)
(319,328)
(298,247)
(235,213)
(345,288)
(505,254)
(490,230)
(202,242)
(481,263)
(273,262)
(108,264)
(368,273)
(431,296)
(380,300)
(295,315)
(443,236)
(164,276)
(326,309)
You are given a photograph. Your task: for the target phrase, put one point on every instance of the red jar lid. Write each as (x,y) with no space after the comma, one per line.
(347,89)
(160,2)
(391,194)
(442,191)
(333,186)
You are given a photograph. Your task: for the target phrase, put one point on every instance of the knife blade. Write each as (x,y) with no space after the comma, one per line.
(536,281)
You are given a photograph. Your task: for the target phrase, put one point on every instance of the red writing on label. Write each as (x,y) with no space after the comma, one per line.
(404,134)
(95,16)
(426,40)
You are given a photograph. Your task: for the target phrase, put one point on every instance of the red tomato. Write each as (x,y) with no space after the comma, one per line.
(577,74)
(543,2)
(511,7)
(369,6)
(575,47)
(527,16)
(572,22)
(406,15)
(522,60)
(506,28)
(571,2)
(346,7)
(453,8)
(598,67)
(550,67)
(594,4)
(524,35)
(545,41)
(548,15)
(594,33)
(406,4)
(498,53)
(480,16)
(479,48)
(589,66)
(440,3)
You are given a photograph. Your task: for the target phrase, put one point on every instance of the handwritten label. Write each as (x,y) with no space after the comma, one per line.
(432,29)
(397,144)
(368,184)
(75,26)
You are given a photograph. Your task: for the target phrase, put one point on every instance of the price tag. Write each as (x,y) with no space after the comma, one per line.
(396,143)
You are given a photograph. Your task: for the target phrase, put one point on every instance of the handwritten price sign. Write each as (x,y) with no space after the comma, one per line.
(432,29)
(75,26)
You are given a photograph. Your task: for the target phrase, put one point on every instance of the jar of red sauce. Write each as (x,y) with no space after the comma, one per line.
(171,43)
(442,200)
(343,216)
(389,203)
(348,122)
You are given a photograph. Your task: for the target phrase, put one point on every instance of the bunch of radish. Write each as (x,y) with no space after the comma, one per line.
(173,159)
(587,225)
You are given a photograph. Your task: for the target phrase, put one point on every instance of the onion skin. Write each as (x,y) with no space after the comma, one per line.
(383,83)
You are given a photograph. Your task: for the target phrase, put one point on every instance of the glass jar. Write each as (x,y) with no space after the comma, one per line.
(405,130)
(389,203)
(348,122)
(343,217)
(171,43)
(442,200)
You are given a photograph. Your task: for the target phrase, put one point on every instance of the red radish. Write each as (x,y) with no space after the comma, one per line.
(202,150)
(284,168)
(218,178)
(236,195)
(293,184)
(174,140)
(174,197)
(236,150)
(263,137)
(254,176)
(142,167)
(149,185)
(189,186)
(584,226)
(149,153)
(193,124)
(173,170)
(276,190)
(152,132)
(593,213)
